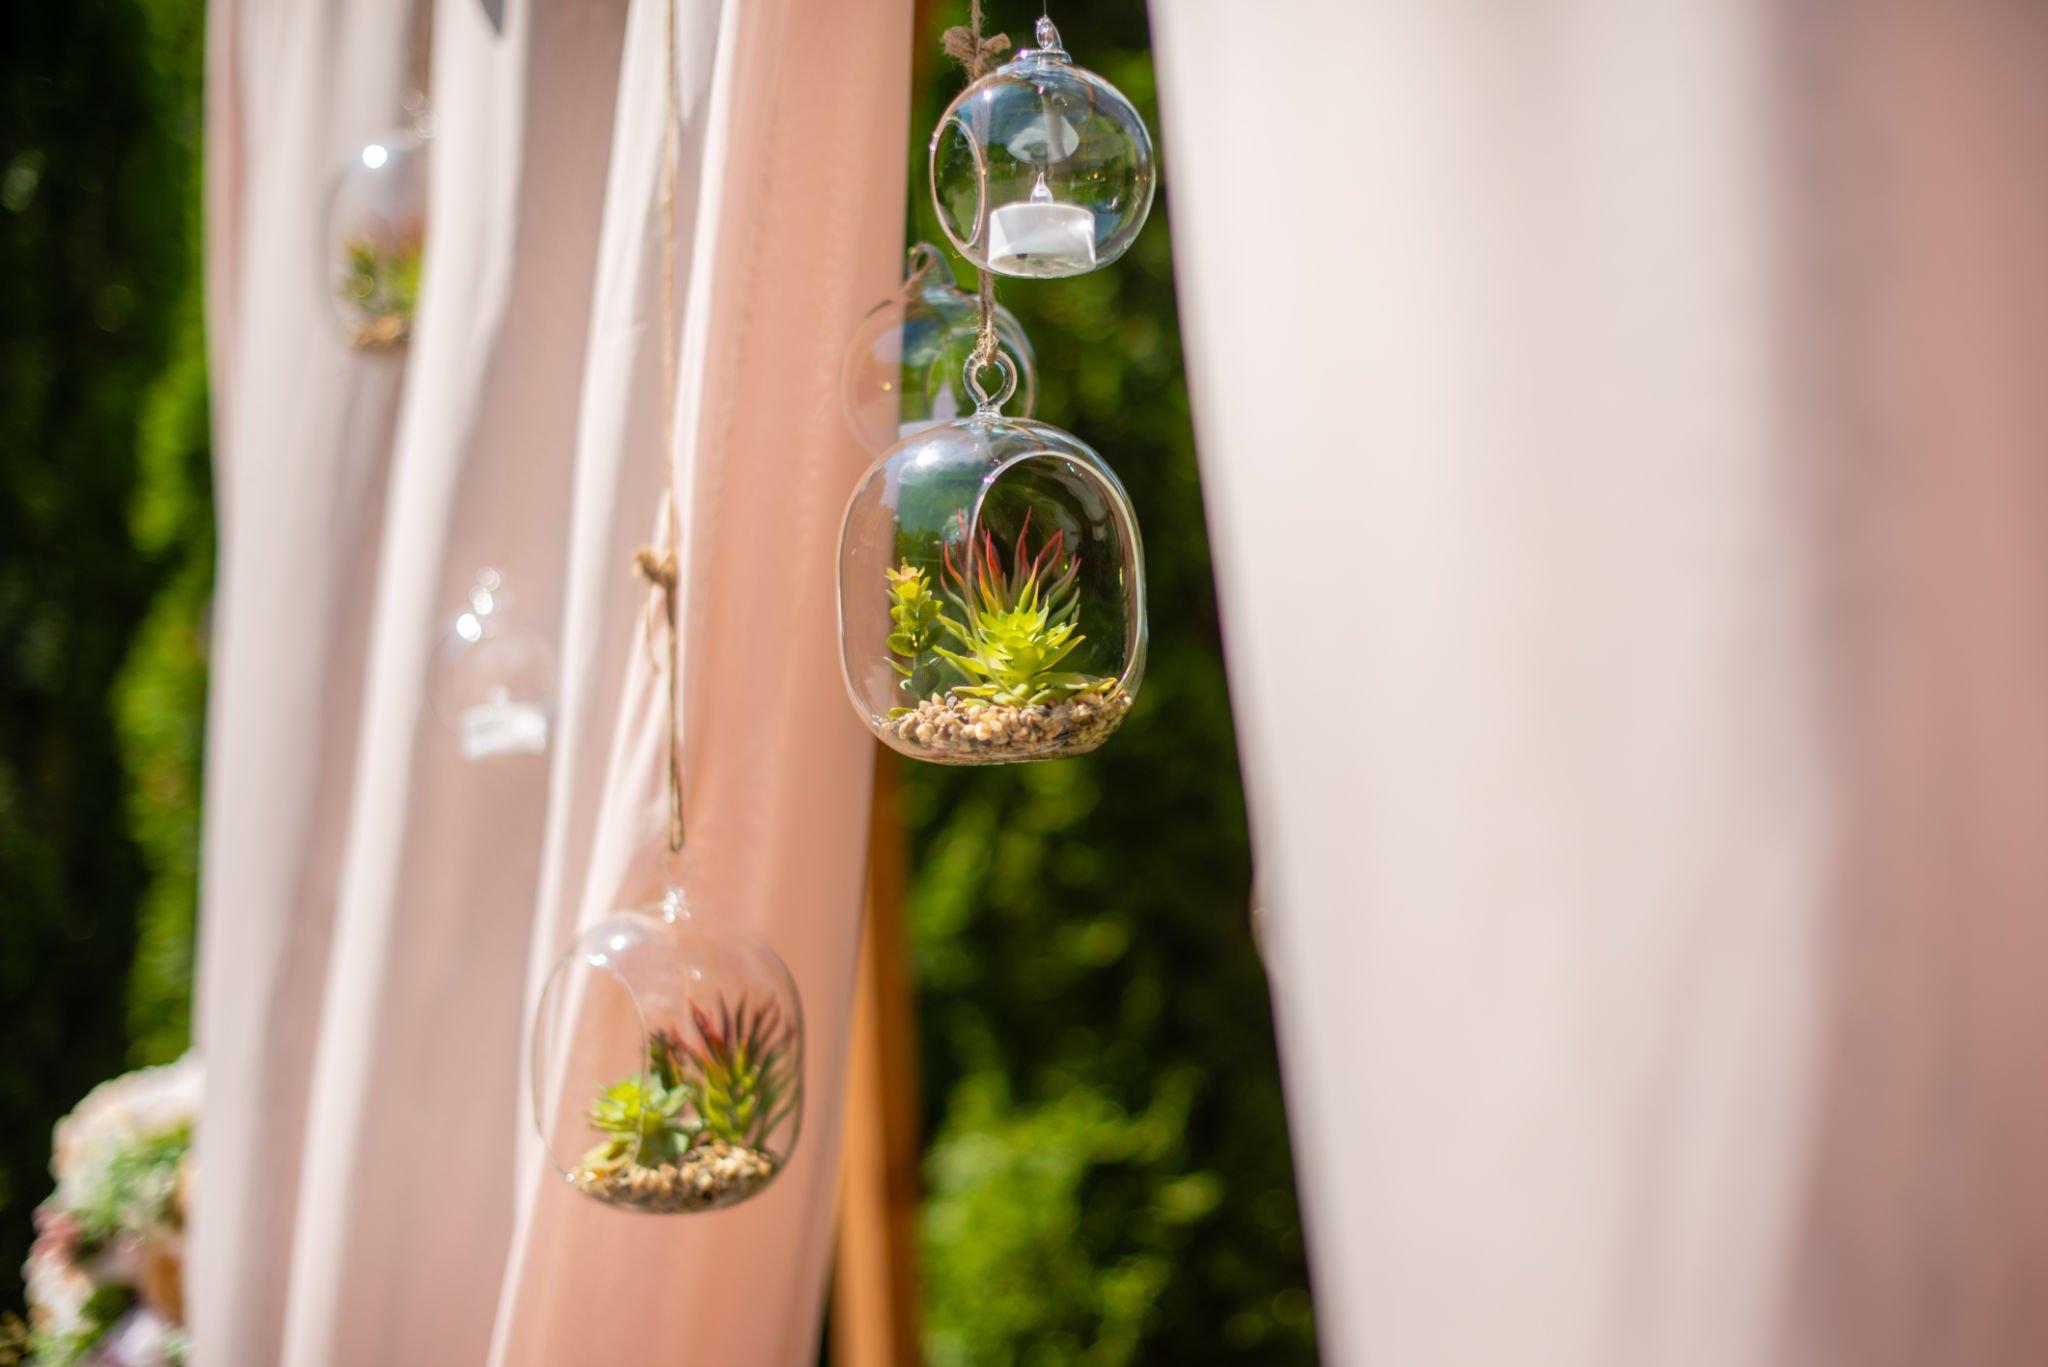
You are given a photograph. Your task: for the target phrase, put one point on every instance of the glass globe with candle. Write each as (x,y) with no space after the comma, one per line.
(902,371)
(1041,168)
(492,683)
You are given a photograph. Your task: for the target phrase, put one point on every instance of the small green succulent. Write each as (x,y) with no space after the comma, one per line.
(914,616)
(735,1085)
(648,1121)
(1015,629)
(913,611)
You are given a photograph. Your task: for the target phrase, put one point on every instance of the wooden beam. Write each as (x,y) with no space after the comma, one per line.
(874,1287)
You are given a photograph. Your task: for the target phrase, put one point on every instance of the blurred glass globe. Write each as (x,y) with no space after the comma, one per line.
(377,223)
(492,683)
(903,366)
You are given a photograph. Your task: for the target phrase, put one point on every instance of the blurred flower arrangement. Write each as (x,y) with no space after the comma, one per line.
(106,1274)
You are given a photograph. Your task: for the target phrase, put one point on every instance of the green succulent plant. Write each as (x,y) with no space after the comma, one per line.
(1016,628)
(647,1121)
(744,1073)
(914,616)
(735,1084)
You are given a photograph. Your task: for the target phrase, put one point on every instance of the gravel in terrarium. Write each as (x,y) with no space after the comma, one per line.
(704,1178)
(950,731)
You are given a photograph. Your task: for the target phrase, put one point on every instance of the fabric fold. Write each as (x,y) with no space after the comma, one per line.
(379,913)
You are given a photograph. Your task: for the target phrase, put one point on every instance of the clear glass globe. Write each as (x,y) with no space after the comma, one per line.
(1042,168)
(902,370)
(668,1063)
(493,683)
(376,228)
(991,594)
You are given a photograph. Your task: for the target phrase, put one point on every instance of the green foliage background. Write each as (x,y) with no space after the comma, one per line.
(1107,1160)
(105,559)
(1107,1170)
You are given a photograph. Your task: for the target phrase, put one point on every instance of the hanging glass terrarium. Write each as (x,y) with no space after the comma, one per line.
(991,592)
(493,682)
(376,228)
(903,367)
(1041,168)
(667,1063)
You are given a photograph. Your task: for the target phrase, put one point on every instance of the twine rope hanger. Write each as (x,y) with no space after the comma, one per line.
(657,564)
(966,45)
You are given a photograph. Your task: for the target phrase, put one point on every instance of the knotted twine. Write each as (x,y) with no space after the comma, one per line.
(657,564)
(966,45)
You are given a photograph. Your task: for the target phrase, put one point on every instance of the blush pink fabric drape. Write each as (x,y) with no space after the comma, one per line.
(1627,464)
(379,913)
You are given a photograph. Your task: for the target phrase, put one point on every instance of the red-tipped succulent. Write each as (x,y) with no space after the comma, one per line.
(1017,626)
(741,1072)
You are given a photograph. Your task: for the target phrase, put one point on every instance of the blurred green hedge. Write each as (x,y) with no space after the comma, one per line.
(105,559)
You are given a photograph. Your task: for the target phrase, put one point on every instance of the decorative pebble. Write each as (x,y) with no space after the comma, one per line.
(954,732)
(384,330)
(708,1177)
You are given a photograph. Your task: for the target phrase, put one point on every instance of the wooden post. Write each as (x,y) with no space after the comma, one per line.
(874,1285)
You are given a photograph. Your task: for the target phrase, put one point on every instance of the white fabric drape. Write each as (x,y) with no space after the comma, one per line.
(1622,438)
(379,913)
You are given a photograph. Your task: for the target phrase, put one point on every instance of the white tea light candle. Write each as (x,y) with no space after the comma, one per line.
(501,726)
(1041,236)
(1041,168)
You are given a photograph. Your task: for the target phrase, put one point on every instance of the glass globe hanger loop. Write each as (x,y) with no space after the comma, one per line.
(1047,36)
(901,370)
(924,260)
(1042,168)
(985,404)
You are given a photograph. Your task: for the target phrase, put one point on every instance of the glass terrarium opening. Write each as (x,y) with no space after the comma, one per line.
(903,366)
(992,595)
(668,1065)
(1042,168)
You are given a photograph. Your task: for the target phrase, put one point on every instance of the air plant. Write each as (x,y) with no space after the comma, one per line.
(1015,629)
(734,1085)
